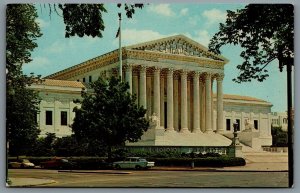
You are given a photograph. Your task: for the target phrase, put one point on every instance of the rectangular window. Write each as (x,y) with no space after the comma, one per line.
(48,117)
(90,78)
(83,80)
(256,124)
(228,124)
(64,118)
(238,122)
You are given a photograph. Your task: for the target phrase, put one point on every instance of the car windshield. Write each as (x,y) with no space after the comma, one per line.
(142,160)
(64,160)
(25,161)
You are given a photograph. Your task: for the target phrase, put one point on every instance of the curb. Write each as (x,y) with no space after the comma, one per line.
(217,170)
(94,172)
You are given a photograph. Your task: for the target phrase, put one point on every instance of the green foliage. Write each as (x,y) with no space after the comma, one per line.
(221,161)
(264,31)
(21,103)
(86,19)
(279,137)
(44,146)
(109,116)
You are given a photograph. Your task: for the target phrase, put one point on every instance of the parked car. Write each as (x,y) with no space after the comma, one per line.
(133,163)
(58,163)
(22,163)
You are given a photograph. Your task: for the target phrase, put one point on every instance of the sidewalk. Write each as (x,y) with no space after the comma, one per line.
(27,182)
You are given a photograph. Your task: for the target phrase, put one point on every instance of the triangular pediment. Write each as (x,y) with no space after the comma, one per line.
(179,45)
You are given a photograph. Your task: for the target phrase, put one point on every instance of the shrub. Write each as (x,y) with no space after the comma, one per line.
(221,161)
(279,137)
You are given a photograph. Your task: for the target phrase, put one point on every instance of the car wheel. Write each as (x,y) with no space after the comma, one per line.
(118,167)
(138,167)
(22,166)
(42,166)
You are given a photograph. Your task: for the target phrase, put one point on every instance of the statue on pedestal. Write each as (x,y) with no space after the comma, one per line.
(249,125)
(154,121)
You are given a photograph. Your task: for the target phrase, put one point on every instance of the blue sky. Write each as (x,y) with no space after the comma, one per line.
(197,21)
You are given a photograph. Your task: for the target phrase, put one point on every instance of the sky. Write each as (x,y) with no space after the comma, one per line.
(197,21)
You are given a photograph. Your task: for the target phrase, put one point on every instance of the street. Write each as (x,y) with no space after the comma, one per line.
(154,178)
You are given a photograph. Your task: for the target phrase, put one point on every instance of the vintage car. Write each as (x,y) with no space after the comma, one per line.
(23,163)
(57,163)
(133,163)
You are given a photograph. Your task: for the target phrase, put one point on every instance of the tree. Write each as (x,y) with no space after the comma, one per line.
(109,116)
(21,103)
(266,33)
(86,19)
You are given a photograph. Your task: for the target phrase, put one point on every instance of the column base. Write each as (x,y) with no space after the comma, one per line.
(197,130)
(220,131)
(184,130)
(209,131)
(170,129)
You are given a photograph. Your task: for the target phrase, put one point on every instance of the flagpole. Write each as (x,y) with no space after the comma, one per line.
(120,48)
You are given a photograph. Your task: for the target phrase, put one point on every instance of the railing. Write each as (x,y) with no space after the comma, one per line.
(222,150)
(276,149)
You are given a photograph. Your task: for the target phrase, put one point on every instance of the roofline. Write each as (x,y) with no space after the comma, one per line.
(225,60)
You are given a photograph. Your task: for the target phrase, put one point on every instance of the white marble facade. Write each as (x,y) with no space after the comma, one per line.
(173,78)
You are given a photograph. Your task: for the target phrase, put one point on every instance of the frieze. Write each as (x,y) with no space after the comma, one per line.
(177,46)
(151,56)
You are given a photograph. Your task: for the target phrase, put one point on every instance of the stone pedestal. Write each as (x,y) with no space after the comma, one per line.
(235,151)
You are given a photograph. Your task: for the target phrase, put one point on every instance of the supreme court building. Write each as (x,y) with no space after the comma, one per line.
(173,78)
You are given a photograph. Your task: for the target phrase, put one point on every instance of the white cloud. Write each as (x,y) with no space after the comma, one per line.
(214,16)
(162,9)
(184,11)
(37,63)
(134,36)
(193,20)
(57,47)
(42,23)
(73,43)
(201,36)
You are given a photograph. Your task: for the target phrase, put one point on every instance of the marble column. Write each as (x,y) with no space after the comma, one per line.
(149,90)
(212,102)
(208,127)
(162,100)
(135,86)
(156,92)
(202,109)
(170,104)
(128,76)
(142,94)
(176,106)
(196,105)
(184,114)
(220,127)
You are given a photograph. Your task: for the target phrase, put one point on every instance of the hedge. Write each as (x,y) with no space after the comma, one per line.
(100,162)
(222,161)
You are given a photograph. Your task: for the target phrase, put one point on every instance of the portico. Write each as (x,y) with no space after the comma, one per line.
(187,89)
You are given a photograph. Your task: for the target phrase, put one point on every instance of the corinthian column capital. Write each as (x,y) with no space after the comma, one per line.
(220,77)
(143,68)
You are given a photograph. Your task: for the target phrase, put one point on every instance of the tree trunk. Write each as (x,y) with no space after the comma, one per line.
(109,153)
